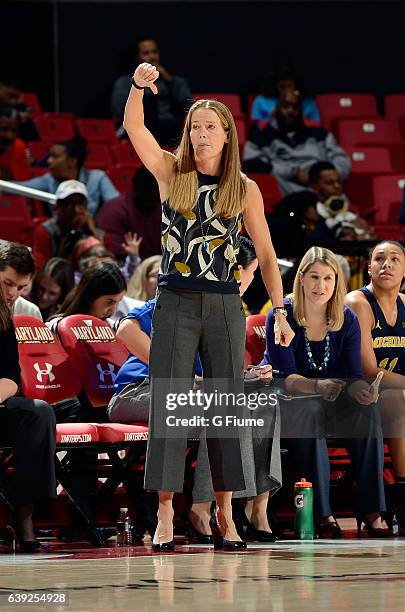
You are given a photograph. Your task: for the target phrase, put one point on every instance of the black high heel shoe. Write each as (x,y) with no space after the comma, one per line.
(255,535)
(196,537)
(220,543)
(373,532)
(30,546)
(330,531)
(165,546)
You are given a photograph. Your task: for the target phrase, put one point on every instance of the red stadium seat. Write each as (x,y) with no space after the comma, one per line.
(402,127)
(394,106)
(373,132)
(240,125)
(97,130)
(32,102)
(95,353)
(397,153)
(98,156)
(389,232)
(47,373)
(59,115)
(231,100)
(388,193)
(370,160)
(124,153)
(39,150)
(76,433)
(54,129)
(255,339)
(117,433)
(269,189)
(345,105)
(366,163)
(16,223)
(121,177)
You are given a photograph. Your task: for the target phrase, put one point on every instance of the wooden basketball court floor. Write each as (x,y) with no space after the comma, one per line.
(346,574)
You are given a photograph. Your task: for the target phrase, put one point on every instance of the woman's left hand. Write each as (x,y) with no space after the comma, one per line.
(369,395)
(283,334)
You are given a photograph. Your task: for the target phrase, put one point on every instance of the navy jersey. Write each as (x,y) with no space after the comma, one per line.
(388,340)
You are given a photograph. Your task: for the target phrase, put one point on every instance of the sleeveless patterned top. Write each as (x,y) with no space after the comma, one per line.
(199,249)
(388,340)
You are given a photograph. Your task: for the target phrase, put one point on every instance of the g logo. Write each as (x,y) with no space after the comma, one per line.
(299,500)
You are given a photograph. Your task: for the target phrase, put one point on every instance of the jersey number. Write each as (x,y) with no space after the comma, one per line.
(384,363)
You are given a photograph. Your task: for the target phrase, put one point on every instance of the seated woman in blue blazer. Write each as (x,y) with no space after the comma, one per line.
(324,360)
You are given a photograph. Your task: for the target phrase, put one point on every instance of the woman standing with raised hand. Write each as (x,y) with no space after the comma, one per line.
(198,307)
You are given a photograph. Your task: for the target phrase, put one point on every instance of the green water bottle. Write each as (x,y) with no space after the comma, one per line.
(304,516)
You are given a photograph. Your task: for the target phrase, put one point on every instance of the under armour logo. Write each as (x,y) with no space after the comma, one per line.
(48,372)
(104,373)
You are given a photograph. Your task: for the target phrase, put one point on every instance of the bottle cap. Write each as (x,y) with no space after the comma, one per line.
(303,483)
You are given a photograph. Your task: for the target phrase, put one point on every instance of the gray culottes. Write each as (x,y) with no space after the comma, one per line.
(186,323)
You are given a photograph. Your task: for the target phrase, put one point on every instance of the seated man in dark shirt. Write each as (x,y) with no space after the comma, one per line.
(165,111)
(287,148)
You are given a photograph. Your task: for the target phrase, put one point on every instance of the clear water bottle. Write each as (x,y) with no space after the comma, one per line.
(124,528)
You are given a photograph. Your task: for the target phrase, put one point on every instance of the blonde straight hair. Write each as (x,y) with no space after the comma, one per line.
(231,193)
(137,283)
(335,312)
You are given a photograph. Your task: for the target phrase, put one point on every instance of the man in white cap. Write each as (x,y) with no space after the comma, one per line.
(70,221)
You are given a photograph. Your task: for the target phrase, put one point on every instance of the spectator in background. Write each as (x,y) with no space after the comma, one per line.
(96,254)
(137,211)
(286,148)
(51,285)
(57,236)
(333,206)
(11,95)
(143,283)
(66,162)
(17,268)
(275,85)
(164,112)
(13,155)
(101,288)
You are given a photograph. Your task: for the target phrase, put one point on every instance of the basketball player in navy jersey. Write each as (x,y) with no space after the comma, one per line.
(380,308)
